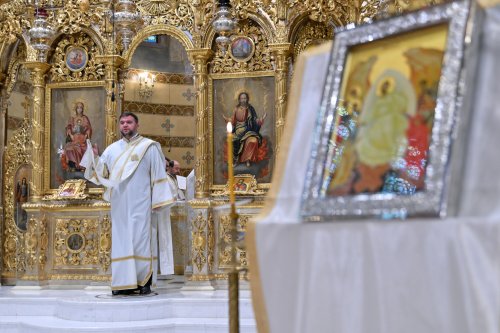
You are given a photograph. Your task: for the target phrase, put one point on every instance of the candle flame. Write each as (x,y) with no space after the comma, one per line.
(229,127)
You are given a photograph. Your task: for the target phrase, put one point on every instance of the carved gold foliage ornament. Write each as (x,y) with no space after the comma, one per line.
(333,12)
(225,240)
(76,14)
(203,12)
(177,13)
(153,7)
(15,70)
(13,20)
(36,242)
(400,6)
(93,71)
(105,243)
(31,243)
(16,155)
(76,242)
(311,33)
(199,241)
(211,242)
(260,61)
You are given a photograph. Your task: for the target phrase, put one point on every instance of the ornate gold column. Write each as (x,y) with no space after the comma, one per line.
(38,71)
(202,246)
(3,129)
(281,53)
(113,63)
(199,58)
(3,123)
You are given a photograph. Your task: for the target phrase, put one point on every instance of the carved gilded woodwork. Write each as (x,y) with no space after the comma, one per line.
(311,33)
(177,13)
(74,15)
(260,61)
(211,242)
(63,244)
(12,20)
(14,68)
(105,243)
(93,71)
(160,109)
(36,242)
(202,149)
(76,242)
(400,6)
(112,64)
(281,54)
(38,73)
(17,154)
(280,29)
(225,240)
(199,241)
(159,29)
(89,204)
(195,16)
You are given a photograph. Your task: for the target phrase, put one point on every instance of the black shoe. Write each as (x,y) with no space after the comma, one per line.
(122,292)
(145,290)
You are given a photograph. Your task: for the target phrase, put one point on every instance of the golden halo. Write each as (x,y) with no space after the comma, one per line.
(390,84)
(239,91)
(78,100)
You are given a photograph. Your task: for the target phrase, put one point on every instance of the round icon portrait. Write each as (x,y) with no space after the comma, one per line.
(76,59)
(242,48)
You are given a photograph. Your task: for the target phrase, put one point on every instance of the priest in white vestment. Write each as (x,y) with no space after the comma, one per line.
(172,173)
(132,170)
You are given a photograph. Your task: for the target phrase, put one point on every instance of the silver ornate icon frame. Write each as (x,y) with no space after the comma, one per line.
(448,131)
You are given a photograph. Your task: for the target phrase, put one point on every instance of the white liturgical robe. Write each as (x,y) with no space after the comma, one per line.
(174,187)
(136,183)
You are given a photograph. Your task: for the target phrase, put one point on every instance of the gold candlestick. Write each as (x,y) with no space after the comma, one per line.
(233,275)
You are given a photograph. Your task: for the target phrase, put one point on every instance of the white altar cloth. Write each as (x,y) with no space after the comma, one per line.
(427,276)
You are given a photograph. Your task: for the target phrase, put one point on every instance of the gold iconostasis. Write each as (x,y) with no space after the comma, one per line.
(183,86)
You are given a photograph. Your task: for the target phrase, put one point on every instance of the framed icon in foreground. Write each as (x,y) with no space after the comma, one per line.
(385,137)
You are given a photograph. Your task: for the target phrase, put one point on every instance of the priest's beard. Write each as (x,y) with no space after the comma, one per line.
(129,135)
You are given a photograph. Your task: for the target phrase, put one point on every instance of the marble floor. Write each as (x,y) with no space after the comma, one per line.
(171,309)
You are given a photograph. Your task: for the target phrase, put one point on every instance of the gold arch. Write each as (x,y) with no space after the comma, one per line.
(161,29)
(12,70)
(262,22)
(296,27)
(98,40)
(300,20)
(7,51)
